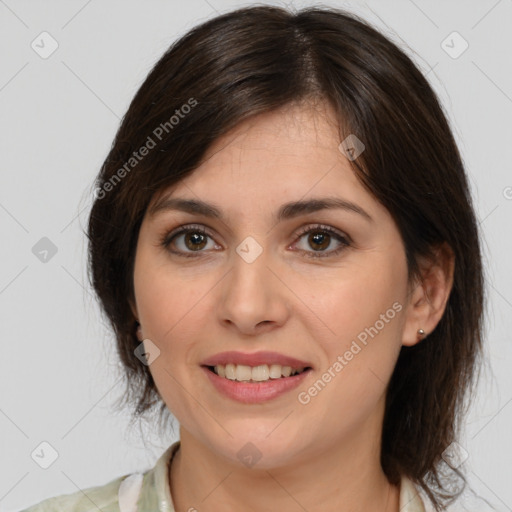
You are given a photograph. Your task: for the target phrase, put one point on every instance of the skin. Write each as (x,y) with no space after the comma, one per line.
(324,455)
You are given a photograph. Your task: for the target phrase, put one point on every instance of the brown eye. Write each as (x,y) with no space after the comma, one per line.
(195,241)
(185,241)
(320,238)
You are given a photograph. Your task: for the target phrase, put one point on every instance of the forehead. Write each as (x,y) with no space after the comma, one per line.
(292,151)
(281,133)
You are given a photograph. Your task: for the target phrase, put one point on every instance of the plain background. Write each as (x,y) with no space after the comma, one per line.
(59,370)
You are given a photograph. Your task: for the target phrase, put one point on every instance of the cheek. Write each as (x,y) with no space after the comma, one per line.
(348,300)
(166,298)
(173,307)
(363,310)
(366,315)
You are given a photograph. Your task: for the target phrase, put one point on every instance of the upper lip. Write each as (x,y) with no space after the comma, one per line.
(254,359)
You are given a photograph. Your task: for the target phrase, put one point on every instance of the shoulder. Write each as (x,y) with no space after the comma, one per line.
(147,489)
(101,497)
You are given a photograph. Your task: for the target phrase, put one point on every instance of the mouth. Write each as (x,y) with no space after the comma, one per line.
(256,374)
(255,384)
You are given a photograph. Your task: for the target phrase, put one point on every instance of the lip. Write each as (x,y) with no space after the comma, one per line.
(255,359)
(255,392)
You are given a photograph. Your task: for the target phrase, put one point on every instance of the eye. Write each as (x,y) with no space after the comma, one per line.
(188,239)
(320,237)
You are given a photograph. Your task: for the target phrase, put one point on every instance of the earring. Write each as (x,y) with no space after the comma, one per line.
(421,333)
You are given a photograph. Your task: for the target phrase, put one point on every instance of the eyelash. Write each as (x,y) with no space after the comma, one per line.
(345,241)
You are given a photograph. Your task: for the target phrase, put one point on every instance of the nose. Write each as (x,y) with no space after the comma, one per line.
(253,299)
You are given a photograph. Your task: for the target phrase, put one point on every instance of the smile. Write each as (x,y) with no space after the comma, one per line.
(250,390)
(260,373)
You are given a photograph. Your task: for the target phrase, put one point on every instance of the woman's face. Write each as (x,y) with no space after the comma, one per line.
(325,286)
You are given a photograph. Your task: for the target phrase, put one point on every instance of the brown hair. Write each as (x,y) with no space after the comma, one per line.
(254,60)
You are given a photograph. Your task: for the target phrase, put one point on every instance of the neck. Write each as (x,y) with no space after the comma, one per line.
(342,477)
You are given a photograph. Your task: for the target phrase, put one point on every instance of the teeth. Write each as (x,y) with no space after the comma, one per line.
(275,371)
(243,373)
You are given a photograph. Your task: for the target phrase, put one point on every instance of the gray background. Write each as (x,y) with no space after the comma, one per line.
(58,116)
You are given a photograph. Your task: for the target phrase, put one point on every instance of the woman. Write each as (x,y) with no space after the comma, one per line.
(284,242)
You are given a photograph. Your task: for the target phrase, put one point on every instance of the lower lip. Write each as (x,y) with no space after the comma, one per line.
(255,392)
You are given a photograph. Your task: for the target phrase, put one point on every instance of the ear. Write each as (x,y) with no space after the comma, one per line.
(429,296)
(133,307)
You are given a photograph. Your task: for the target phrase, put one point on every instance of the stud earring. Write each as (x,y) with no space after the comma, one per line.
(421,333)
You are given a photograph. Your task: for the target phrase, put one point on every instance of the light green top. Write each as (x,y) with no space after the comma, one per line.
(150,492)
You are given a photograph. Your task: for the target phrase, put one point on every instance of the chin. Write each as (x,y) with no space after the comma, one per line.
(259,450)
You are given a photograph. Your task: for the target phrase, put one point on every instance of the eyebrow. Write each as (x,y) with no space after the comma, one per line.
(286,211)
